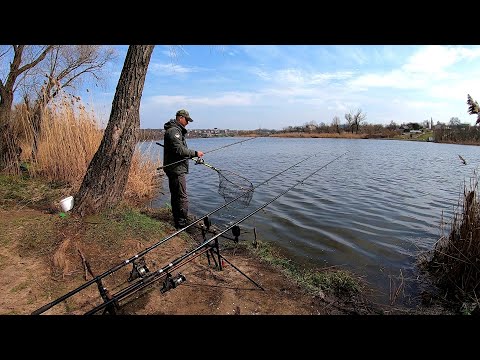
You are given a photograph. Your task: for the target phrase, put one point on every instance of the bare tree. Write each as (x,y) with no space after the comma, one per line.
(336,123)
(350,121)
(454,121)
(107,174)
(392,126)
(19,65)
(354,120)
(65,66)
(358,119)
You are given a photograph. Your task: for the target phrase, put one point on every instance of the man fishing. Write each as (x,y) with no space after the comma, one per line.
(176,149)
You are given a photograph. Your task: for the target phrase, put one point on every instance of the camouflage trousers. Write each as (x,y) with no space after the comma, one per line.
(179,199)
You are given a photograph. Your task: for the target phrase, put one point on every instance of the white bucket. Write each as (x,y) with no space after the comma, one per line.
(66,204)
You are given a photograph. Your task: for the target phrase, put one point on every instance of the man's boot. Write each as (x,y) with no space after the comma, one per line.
(181,223)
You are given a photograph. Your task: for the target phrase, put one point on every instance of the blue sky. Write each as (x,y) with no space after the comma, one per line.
(273,87)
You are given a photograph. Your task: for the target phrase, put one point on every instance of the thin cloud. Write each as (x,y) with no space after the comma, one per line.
(171,69)
(174,51)
(298,77)
(260,73)
(227,99)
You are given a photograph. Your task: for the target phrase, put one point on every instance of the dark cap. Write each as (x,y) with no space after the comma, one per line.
(184,113)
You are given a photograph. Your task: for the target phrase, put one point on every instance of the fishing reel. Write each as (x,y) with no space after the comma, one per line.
(199,161)
(171,282)
(139,269)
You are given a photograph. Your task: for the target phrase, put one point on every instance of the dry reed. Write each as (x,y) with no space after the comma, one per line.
(70,136)
(455,259)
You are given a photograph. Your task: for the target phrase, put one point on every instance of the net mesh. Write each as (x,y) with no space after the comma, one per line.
(232,185)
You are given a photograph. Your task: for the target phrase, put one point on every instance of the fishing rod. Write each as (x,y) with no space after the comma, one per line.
(132,259)
(165,271)
(206,152)
(111,303)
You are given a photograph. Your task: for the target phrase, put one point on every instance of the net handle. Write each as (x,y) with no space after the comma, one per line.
(201,161)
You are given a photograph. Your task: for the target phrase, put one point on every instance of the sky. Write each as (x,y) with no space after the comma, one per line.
(277,86)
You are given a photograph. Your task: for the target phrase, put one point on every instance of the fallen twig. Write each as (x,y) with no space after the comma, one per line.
(84,262)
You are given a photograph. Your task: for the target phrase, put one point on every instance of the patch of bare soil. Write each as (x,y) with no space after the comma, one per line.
(25,282)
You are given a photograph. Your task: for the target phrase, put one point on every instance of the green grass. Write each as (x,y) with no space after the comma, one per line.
(112,227)
(333,281)
(425,136)
(338,282)
(27,191)
(40,235)
(415,137)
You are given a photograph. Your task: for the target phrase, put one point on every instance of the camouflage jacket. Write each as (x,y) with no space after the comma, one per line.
(175,148)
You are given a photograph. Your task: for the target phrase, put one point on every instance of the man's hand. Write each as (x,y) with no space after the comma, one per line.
(199,153)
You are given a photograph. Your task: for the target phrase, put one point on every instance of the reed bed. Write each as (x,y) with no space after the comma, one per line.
(454,261)
(70,136)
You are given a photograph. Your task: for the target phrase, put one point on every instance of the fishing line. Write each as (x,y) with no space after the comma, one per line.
(205,152)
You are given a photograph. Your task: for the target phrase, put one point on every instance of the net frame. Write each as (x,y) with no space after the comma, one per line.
(232,186)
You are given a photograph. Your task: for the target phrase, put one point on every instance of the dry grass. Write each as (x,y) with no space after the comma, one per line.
(396,288)
(455,259)
(70,136)
(143,180)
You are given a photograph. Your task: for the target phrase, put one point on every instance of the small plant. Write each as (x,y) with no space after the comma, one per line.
(334,281)
(338,282)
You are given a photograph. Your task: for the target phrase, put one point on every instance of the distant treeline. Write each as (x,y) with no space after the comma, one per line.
(157,134)
(469,135)
(151,134)
(458,133)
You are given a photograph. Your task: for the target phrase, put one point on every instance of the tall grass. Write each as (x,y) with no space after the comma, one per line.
(455,259)
(70,136)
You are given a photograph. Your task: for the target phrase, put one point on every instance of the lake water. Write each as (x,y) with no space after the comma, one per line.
(370,211)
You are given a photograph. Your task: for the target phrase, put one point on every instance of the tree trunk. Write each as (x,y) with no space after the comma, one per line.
(104,183)
(9,149)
